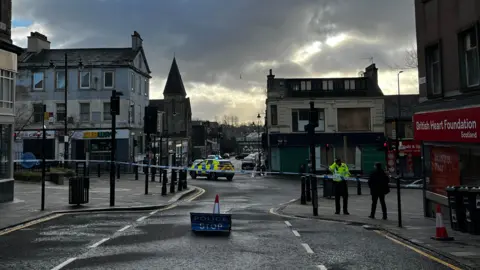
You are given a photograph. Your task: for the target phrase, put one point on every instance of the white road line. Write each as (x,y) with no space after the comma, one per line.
(60,266)
(99,243)
(307,248)
(124,228)
(322,267)
(142,218)
(296,233)
(153,212)
(288,223)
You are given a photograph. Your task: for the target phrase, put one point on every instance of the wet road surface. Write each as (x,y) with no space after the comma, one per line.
(163,240)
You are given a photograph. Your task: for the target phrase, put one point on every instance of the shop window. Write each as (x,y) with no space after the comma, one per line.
(444,168)
(300,119)
(469,54)
(5,150)
(353,119)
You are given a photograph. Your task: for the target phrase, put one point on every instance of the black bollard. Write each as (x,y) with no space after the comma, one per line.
(313,181)
(180,180)
(154,170)
(145,170)
(359,185)
(135,168)
(164,182)
(172,181)
(308,190)
(98,169)
(303,200)
(118,171)
(185,174)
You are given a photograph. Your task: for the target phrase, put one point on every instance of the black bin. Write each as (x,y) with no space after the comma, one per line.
(328,188)
(471,200)
(457,209)
(78,190)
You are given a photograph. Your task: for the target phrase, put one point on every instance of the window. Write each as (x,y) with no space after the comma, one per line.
(146,87)
(60,112)
(84,112)
(295,86)
(349,84)
(60,80)
(132,81)
(38,78)
(37,112)
(353,119)
(273,115)
(300,119)
(434,73)
(306,85)
(85,80)
(6,89)
(107,116)
(327,85)
(470,58)
(108,79)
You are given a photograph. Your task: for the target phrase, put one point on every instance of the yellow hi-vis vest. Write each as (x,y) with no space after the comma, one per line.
(339,171)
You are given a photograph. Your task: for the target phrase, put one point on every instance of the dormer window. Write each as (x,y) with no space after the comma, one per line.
(327,85)
(306,85)
(349,84)
(295,86)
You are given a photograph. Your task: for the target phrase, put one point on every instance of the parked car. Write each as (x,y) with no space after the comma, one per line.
(248,164)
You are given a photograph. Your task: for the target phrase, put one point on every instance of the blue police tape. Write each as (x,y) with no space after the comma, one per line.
(325,176)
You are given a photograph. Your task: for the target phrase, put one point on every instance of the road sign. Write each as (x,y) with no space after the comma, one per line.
(210,222)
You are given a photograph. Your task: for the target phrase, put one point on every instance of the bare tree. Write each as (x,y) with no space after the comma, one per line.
(411,58)
(23,116)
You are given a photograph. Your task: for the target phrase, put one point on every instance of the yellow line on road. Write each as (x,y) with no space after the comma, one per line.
(431,257)
(200,193)
(28,224)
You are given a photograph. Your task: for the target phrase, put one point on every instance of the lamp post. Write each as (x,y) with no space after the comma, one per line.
(399,200)
(114,111)
(44,135)
(80,68)
(259,140)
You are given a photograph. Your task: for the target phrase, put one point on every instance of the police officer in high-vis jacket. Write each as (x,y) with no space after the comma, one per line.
(340,171)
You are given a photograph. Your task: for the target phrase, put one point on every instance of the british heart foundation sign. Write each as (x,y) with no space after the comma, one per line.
(460,125)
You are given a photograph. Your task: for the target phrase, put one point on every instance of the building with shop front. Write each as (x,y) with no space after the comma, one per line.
(448,117)
(8,73)
(351,121)
(92,75)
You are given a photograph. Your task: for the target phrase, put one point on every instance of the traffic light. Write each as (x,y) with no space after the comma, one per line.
(327,147)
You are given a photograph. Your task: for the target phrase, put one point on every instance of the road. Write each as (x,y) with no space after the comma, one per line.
(163,240)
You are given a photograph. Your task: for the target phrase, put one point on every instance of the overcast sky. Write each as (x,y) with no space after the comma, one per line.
(224,48)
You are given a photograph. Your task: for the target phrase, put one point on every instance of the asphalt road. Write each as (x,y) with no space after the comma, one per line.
(163,240)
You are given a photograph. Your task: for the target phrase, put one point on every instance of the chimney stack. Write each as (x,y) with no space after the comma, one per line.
(270,78)
(372,72)
(37,42)
(137,41)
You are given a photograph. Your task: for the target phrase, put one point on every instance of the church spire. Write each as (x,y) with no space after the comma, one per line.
(174,85)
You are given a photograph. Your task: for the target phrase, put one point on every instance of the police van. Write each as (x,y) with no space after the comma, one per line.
(213,169)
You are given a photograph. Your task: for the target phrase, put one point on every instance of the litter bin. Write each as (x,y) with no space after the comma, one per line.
(471,200)
(457,209)
(327,187)
(78,190)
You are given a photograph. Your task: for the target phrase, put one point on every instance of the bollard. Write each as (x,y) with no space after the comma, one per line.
(154,170)
(313,181)
(302,190)
(118,171)
(146,179)
(172,181)
(359,185)
(308,190)
(98,169)
(164,183)
(180,180)
(135,168)
(185,179)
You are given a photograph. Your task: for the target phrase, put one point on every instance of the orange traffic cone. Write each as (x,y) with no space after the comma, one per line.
(216,206)
(441,232)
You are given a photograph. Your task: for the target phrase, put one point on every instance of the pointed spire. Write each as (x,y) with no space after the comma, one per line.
(174,85)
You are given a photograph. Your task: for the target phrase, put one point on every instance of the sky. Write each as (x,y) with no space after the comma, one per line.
(224,48)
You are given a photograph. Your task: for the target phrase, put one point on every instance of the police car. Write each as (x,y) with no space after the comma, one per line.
(213,168)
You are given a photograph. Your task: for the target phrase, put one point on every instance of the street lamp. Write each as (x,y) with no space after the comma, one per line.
(399,200)
(44,134)
(80,68)
(114,111)
(259,141)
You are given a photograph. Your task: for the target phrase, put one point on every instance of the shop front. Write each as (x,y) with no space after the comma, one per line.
(97,144)
(30,142)
(450,150)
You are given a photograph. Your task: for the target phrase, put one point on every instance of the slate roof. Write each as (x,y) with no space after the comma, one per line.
(174,85)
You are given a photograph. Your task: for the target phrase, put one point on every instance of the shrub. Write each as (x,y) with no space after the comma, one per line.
(28,176)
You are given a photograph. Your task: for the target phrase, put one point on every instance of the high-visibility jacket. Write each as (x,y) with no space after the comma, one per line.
(339,172)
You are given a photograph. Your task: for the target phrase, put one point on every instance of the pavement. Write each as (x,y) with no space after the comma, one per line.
(261,238)
(128,193)
(417,229)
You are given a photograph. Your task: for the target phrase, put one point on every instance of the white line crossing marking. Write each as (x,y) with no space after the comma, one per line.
(307,248)
(99,243)
(296,233)
(153,212)
(288,223)
(322,267)
(60,266)
(142,218)
(124,228)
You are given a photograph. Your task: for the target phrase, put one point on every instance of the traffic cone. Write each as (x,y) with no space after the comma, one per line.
(441,232)
(216,206)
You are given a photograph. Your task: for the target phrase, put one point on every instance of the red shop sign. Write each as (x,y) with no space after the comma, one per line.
(460,125)
(411,147)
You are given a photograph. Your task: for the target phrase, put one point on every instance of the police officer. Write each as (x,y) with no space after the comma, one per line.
(340,171)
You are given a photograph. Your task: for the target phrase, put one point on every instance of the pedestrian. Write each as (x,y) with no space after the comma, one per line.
(340,172)
(378,184)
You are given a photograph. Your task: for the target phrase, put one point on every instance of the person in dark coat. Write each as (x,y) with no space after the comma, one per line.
(378,184)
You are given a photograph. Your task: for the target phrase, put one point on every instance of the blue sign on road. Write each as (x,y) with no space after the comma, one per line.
(203,222)
(28,160)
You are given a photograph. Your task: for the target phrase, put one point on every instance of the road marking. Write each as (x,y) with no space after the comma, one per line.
(322,267)
(440,261)
(296,233)
(288,223)
(60,266)
(141,219)
(153,212)
(200,193)
(307,248)
(28,224)
(99,243)
(124,228)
